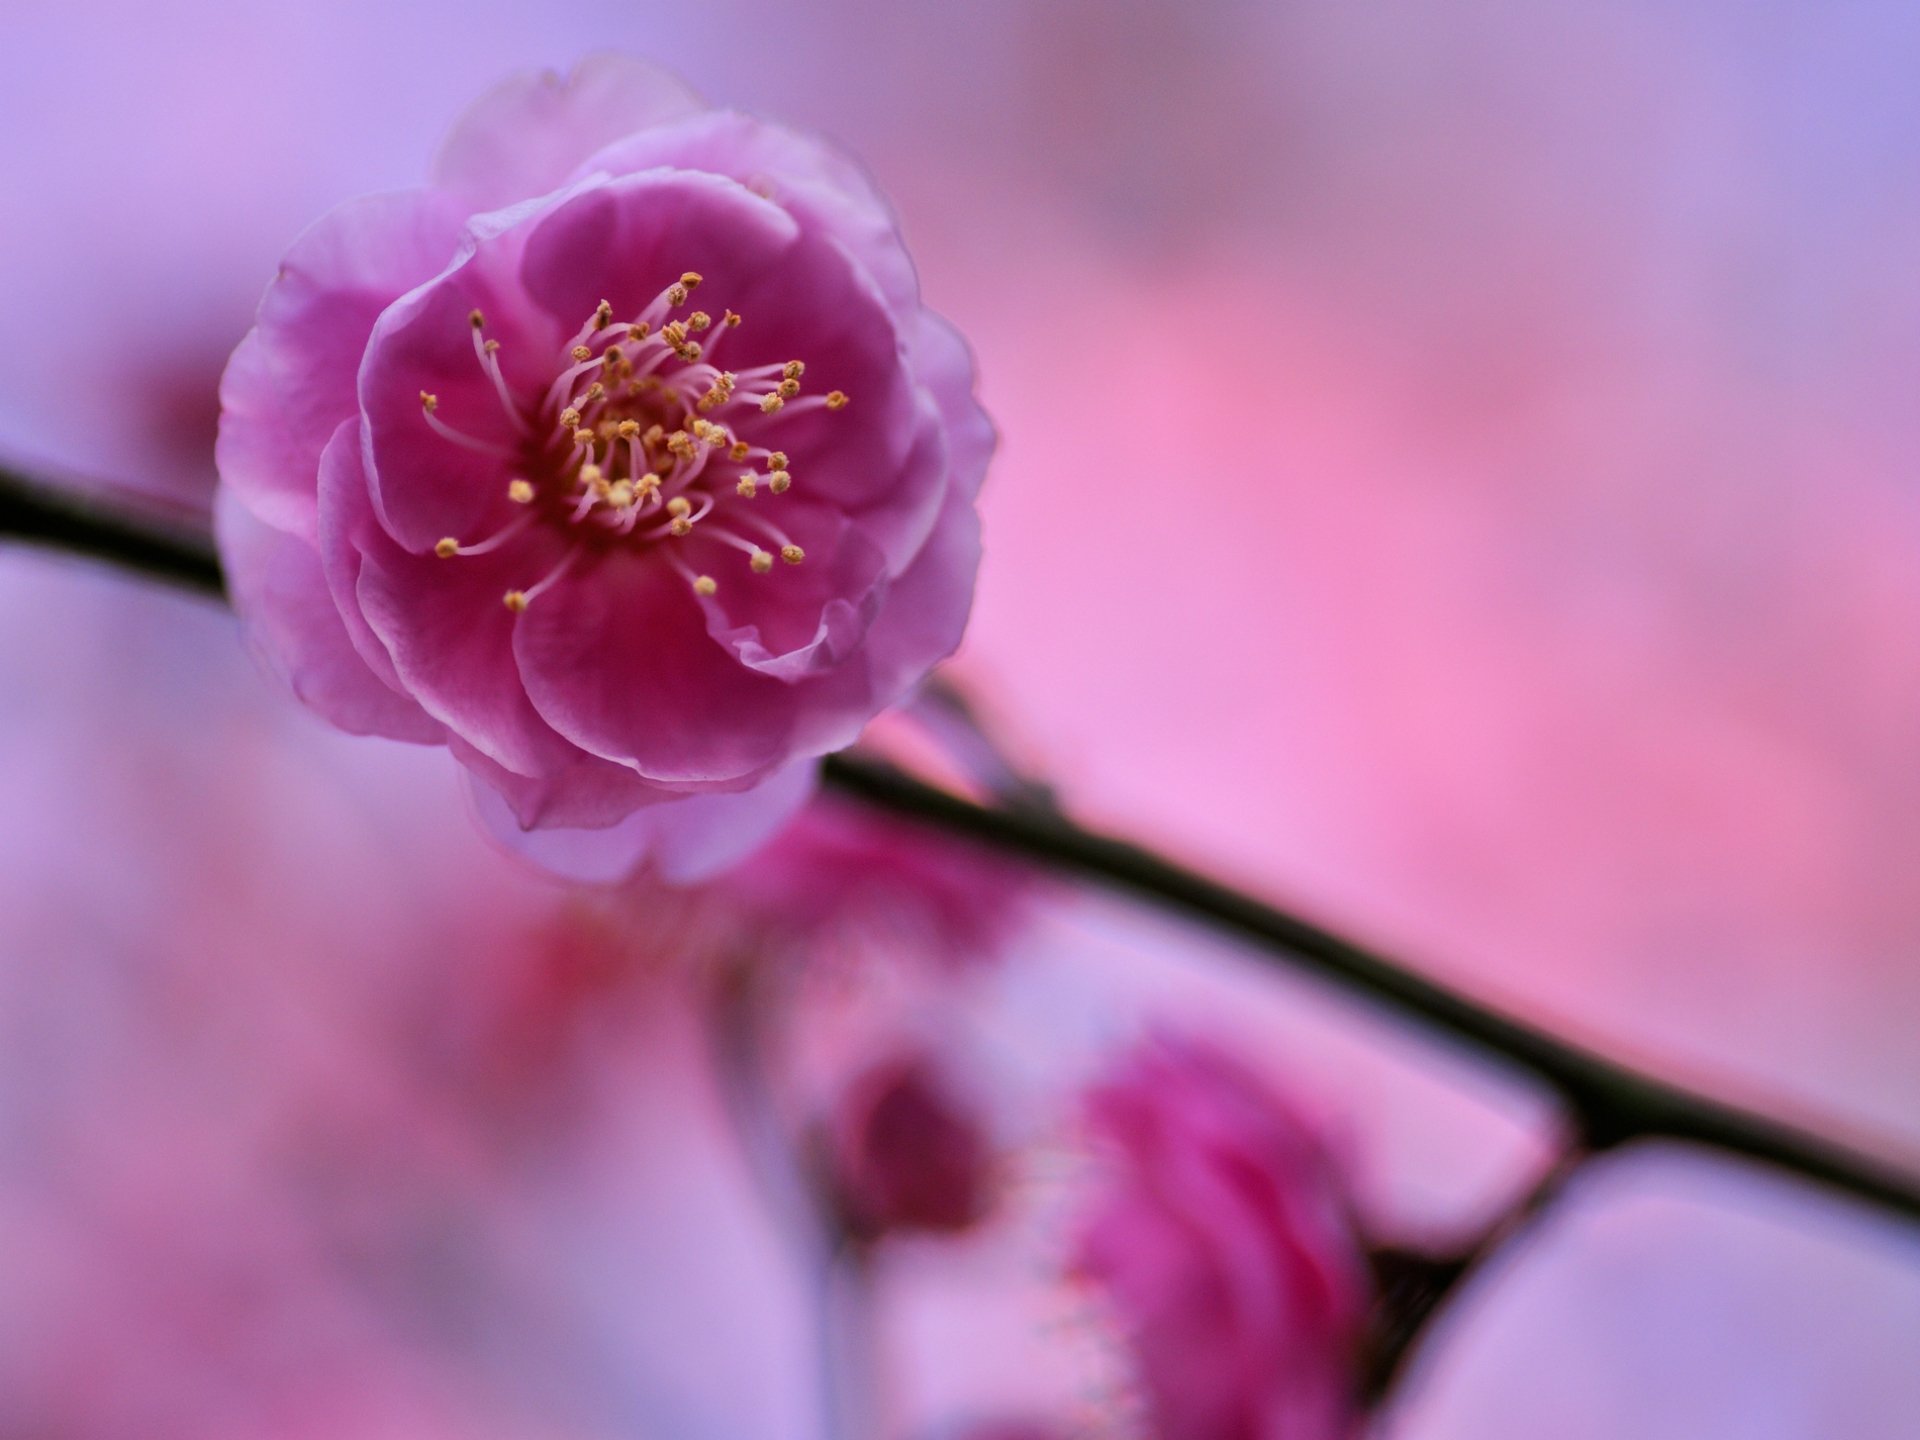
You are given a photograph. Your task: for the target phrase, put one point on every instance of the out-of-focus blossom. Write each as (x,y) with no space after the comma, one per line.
(622,458)
(906,1150)
(1220,1240)
(845,878)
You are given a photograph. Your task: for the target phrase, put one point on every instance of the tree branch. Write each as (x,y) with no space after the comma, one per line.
(1611,1103)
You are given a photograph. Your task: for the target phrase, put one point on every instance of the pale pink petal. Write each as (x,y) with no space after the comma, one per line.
(524,136)
(682,840)
(291,382)
(278,588)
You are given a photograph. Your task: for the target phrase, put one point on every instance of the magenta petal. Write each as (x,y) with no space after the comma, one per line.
(828,192)
(945,367)
(523,137)
(617,660)
(291,382)
(282,597)
(451,639)
(589,793)
(684,840)
(926,610)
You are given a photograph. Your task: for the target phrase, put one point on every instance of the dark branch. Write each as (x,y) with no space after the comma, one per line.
(69,520)
(1612,1103)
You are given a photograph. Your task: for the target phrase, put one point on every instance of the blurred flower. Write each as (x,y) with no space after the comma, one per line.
(486,482)
(1220,1241)
(845,878)
(906,1151)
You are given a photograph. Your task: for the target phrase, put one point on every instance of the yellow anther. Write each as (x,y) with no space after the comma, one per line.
(705,585)
(688,352)
(792,554)
(699,320)
(602,315)
(476,319)
(515,600)
(731,318)
(570,418)
(836,400)
(655,434)
(676,295)
(591,474)
(627,429)
(747,488)
(649,484)
(520,492)
(681,527)
(492,347)
(581,352)
(674,333)
(446,549)
(679,506)
(691,279)
(700,427)
(778,481)
(640,331)
(777,460)
(772,403)
(429,401)
(761,562)
(788,389)
(793,370)
(584,437)
(739,450)
(621,494)
(596,391)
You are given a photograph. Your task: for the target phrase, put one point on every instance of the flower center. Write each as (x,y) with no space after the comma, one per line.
(642,440)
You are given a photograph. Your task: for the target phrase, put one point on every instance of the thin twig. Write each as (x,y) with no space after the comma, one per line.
(1611,1103)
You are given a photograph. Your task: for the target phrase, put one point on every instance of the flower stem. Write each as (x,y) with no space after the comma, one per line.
(1611,1103)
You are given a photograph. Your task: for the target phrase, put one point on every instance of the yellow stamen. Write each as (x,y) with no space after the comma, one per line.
(520,492)
(704,585)
(446,549)
(792,554)
(836,400)
(515,600)
(761,562)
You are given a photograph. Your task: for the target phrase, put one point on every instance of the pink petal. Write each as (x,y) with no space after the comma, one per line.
(451,638)
(291,382)
(684,840)
(282,597)
(616,659)
(523,137)
(826,190)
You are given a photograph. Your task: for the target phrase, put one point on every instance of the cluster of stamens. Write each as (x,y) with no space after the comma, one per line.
(643,436)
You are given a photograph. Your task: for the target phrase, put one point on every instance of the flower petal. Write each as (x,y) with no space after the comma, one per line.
(616,659)
(278,588)
(291,382)
(451,639)
(524,136)
(684,840)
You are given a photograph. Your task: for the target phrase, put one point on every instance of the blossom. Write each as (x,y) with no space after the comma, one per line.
(621,458)
(1220,1241)
(905,1151)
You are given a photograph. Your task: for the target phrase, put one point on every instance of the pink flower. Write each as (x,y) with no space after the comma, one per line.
(905,1151)
(1221,1242)
(622,458)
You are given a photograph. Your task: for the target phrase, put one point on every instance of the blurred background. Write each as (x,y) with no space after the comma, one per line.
(1458,475)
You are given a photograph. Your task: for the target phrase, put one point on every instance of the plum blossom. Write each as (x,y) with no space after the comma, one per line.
(907,1151)
(621,458)
(1220,1242)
